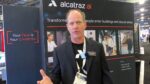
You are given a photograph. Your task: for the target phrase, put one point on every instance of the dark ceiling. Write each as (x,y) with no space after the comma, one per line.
(20,2)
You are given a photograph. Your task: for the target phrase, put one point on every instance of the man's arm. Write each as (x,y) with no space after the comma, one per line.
(105,70)
(55,77)
(56,72)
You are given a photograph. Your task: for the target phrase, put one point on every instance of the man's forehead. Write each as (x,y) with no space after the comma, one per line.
(74,20)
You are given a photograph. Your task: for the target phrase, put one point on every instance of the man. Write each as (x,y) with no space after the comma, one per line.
(51,45)
(108,44)
(79,60)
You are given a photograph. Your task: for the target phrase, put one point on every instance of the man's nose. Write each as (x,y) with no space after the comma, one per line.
(75,25)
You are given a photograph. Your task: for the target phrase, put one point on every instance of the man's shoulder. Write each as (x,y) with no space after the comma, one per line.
(93,42)
(62,46)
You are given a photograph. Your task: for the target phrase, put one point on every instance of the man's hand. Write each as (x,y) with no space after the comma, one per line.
(45,78)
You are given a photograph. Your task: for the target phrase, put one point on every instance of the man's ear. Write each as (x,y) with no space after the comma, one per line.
(85,24)
(67,25)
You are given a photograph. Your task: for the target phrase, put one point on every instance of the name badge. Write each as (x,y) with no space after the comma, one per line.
(80,78)
(91,53)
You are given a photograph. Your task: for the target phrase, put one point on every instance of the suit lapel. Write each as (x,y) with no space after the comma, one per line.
(89,59)
(70,54)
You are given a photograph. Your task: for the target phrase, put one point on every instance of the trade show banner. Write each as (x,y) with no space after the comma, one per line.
(106,20)
(98,13)
(22,44)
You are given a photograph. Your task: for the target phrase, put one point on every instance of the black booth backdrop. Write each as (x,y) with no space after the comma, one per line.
(102,16)
(22,44)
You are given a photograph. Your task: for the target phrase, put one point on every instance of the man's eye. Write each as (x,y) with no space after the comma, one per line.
(78,22)
(71,23)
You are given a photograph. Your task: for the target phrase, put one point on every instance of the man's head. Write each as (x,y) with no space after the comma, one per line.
(76,23)
(50,37)
(77,10)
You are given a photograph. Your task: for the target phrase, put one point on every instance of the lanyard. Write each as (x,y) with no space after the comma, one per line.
(82,54)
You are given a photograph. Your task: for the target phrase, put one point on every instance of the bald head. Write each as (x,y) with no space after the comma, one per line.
(76,25)
(75,12)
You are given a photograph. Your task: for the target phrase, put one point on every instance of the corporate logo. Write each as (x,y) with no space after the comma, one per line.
(65,4)
(52,3)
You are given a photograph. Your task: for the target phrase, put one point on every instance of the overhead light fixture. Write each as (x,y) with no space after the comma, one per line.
(142,18)
(142,9)
(142,1)
(142,14)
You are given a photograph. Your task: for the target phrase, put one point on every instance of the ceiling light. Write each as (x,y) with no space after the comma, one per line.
(142,1)
(142,18)
(142,9)
(142,14)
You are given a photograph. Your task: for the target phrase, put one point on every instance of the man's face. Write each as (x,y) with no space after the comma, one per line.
(51,37)
(75,24)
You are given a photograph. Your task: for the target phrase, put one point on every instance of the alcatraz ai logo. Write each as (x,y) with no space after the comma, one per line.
(65,4)
(52,3)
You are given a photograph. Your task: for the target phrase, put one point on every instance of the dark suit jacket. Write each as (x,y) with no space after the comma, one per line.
(65,68)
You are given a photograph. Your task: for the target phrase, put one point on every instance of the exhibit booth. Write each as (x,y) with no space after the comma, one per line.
(20,46)
(24,32)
